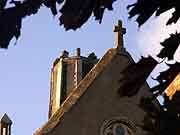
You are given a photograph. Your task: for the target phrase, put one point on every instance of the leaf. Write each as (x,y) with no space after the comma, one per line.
(135,75)
(175,17)
(144,9)
(76,13)
(11,20)
(170,46)
(52,5)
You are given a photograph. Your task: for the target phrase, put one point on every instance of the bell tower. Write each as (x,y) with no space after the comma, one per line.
(66,74)
(5,125)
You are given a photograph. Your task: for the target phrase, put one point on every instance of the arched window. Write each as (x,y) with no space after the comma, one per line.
(118,126)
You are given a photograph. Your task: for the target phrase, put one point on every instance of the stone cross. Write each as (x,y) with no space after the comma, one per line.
(119,34)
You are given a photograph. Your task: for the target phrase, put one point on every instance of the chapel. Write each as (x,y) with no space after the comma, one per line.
(84,97)
(5,125)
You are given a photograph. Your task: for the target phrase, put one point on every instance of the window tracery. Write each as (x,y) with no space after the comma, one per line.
(118,126)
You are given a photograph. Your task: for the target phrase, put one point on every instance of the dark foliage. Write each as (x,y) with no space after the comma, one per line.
(76,13)
(92,56)
(135,75)
(11,19)
(170,46)
(146,8)
(169,119)
(173,106)
(169,124)
(163,120)
(166,77)
(170,116)
(166,117)
(52,5)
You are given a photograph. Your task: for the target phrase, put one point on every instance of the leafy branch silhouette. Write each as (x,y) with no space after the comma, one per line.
(144,9)
(168,119)
(74,13)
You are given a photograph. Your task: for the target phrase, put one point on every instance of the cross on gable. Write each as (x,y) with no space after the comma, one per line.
(119,34)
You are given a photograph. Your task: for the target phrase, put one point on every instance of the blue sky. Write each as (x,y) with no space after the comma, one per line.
(25,67)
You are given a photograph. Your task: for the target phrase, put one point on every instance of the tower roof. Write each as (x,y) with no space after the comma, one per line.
(5,119)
